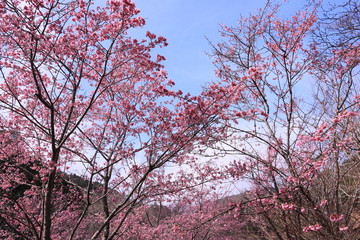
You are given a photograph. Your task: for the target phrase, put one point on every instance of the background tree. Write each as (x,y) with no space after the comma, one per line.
(293,112)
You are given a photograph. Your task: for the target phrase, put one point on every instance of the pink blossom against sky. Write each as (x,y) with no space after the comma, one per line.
(186,24)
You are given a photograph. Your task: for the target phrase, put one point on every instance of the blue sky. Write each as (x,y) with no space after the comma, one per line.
(185,23)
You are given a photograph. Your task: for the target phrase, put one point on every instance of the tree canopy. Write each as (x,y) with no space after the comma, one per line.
(78,90)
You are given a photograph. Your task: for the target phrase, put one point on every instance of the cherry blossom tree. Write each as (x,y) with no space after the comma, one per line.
(292,120)
(77,91)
